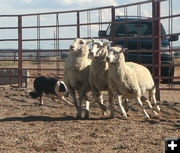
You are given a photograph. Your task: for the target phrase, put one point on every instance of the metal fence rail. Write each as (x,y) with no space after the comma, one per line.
(83,24)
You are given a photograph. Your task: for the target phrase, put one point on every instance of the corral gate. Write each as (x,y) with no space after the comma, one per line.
(44,38)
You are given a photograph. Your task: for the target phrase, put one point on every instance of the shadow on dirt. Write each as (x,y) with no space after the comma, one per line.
(45,119)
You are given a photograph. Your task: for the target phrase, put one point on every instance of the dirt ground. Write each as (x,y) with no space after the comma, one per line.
(27,126)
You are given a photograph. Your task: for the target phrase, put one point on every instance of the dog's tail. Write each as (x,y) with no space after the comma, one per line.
(34,94)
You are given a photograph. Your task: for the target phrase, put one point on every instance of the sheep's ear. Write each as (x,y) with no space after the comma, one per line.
(90,41)
(124,49)
(106,43)
(110,42)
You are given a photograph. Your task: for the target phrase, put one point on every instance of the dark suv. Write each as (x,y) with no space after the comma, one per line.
(134,27)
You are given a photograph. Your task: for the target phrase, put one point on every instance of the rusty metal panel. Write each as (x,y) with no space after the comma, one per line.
(90,25)
(156,58)
(20,51)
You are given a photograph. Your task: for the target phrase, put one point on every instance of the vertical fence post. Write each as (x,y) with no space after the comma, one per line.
(113,26)
(20,51)
(78,26)
(156,45)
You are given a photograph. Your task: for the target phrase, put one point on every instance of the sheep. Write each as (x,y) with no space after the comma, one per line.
(125,79)
(144,84)
(76,71)
(98,73)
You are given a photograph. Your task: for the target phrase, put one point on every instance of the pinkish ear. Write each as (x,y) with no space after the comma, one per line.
(124,49)
(106,43)
(90,41)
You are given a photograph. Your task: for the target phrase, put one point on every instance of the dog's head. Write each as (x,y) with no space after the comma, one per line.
(63,88)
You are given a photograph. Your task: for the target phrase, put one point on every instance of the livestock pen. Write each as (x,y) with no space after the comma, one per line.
(38,44)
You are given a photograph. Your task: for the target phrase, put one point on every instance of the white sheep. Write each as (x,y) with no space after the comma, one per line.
(98,74)
(129,79)
(76,71)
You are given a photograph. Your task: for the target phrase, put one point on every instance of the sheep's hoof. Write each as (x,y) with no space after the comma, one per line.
(86,114)
(125,116)
(147,117)
(103,107)
(158,108)
(104,113)
(155,113)
(126,109)
(112,116)
(78,117)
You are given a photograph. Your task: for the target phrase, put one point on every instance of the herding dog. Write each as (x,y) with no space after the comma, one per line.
(50,86)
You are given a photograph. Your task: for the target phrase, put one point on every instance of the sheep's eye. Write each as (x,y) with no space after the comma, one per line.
(98,45)
(114,52)
(81,42)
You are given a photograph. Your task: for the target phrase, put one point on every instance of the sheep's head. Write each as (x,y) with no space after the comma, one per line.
(99,49)
(79,43)
(114,53)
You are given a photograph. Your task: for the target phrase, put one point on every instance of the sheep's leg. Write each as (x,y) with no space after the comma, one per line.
(110,96)
(73,94)
(121,106)
(125,102)
(144,111)
(87,107)
(153,97)
(81,97)
(143,98)
(102,104)
(154,100)
(99,100)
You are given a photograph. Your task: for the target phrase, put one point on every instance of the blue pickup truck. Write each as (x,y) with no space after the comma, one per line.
(131,28)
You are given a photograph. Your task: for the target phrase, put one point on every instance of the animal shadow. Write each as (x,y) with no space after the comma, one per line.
(46,119)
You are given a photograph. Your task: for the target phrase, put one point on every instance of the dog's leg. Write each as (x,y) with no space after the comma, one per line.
(41,100)
(66,101)
(61,97)
(53,97)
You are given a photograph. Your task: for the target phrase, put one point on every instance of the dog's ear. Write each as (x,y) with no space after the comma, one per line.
(62,87)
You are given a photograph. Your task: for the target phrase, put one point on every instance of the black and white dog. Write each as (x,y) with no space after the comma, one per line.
(50,86)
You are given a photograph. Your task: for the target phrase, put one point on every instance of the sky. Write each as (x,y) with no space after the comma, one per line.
(11,7)
(35,6)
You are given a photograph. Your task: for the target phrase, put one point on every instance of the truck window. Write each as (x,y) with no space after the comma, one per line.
(133,29)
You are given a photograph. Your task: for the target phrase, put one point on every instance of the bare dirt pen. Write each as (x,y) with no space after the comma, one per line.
(28,127)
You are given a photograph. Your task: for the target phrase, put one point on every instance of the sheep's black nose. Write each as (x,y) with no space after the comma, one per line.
(91,54)
(71,47)
(107,59)
(66,94)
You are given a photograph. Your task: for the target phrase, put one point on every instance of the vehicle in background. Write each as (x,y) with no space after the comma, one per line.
(130,28)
